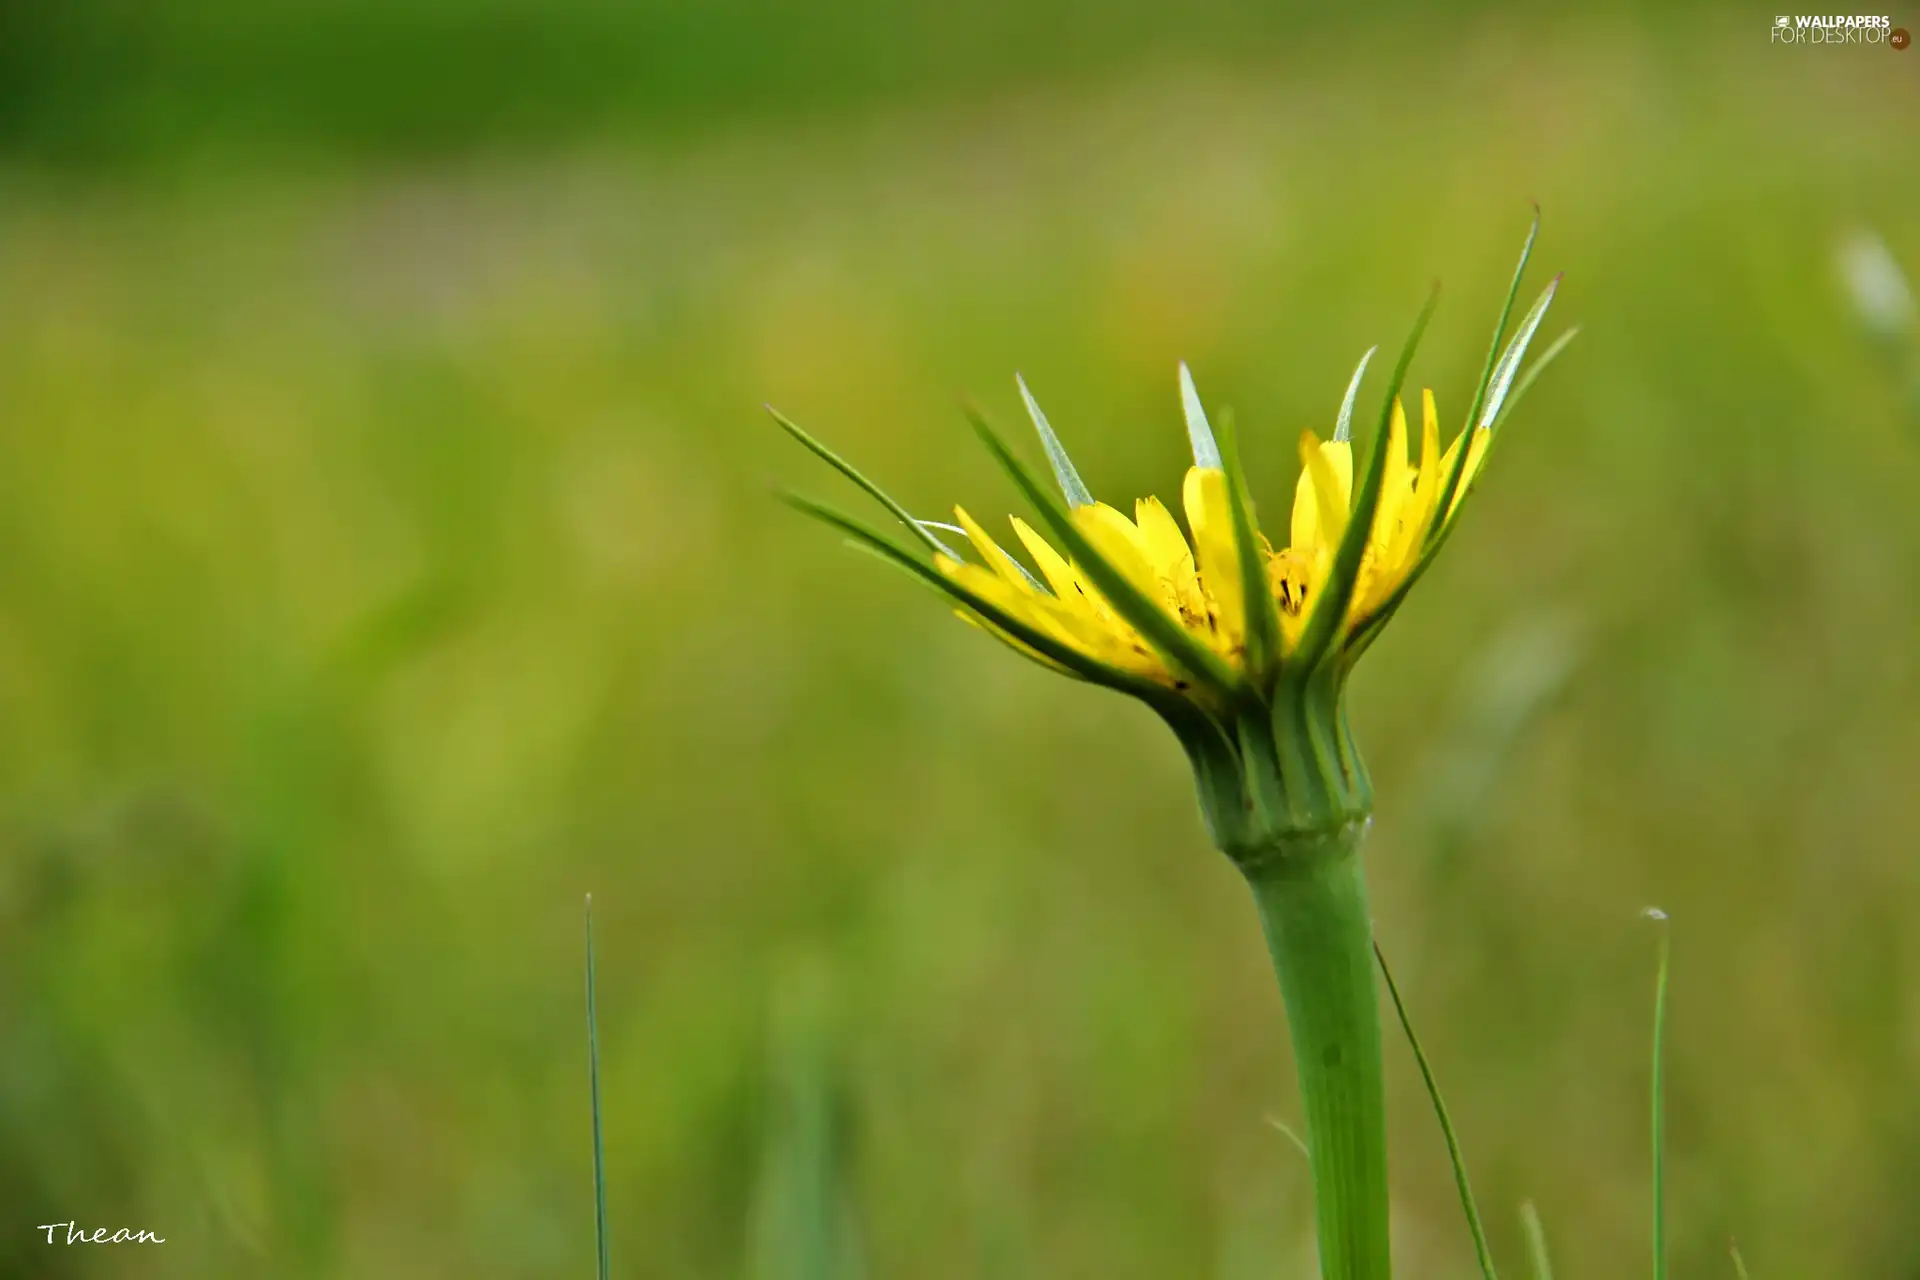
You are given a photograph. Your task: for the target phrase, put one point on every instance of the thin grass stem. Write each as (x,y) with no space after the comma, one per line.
(1659,1099)
(1536,1242)
(593,1083)
(1481,1252)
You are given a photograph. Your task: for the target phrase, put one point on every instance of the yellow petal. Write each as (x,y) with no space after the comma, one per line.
(1114,644)
(1417,513)
(1172,560)
(1321,498)
(1396,487)
(1166,545)
(1424,484)
(1397,545)
(1119,542)
(1210,513)
(990,551)
(1053,566)
(1382,564)
(1081,614)
(992,588)
(1108,639)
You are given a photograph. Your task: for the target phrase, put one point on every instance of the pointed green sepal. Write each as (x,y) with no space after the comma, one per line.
(1501,362)
(1067,658)
(1072,487)
(1263,618)
(1526,380)
(1206,451)
(851,472)
(1509,366)
(1500,327)
(1181,651)
(1322,634)
(1370,627)
(1343,425)
(1511,393)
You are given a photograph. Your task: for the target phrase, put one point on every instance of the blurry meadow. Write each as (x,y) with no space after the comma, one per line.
(388,558)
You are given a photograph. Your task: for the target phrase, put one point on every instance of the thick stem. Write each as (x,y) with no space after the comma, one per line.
(1313,906)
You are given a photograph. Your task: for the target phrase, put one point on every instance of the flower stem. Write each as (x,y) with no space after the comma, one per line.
(1312,898)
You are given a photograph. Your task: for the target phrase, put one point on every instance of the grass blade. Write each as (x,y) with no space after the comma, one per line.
(1536,1242)
(853,473)
(802,1225)
(1659,1100)
(1739,1263)
(593,1084)
(1481,1252)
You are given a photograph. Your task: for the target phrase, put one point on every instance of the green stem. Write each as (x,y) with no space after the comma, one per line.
(1312,897)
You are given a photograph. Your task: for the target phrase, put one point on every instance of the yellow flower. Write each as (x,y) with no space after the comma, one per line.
(1199,583)
(1242,647)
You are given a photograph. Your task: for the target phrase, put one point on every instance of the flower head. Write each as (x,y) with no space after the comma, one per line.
(1201,583)
(1241,644)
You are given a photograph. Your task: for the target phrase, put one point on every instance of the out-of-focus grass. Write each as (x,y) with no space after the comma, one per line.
(386,557)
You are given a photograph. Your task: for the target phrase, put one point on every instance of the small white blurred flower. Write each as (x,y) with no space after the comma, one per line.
(1877,286)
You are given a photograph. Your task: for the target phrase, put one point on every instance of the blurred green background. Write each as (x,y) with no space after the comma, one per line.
(387,559)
